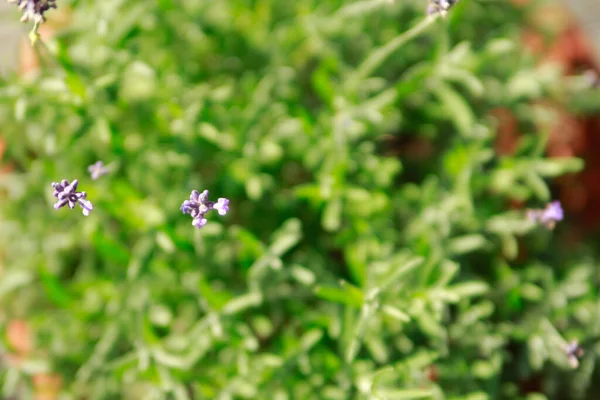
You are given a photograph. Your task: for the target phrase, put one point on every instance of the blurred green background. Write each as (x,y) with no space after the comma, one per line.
(377,245)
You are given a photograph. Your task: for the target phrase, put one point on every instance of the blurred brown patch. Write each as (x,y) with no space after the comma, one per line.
(571,135)
(18,336)
(507,135)
(575,135)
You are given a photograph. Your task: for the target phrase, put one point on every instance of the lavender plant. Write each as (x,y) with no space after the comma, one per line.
(374,251)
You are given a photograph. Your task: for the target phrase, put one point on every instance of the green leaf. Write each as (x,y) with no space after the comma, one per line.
(554,167)
(332,216)
(349,295)
(405,394)
(396,313)
(76,85)
(466,244)
(56,292)
(456,108)
(14,279)
(242,303)
(468,289)
(401,271)
(468,80)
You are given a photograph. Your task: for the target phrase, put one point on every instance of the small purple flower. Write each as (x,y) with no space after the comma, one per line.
(553,212)
(198,205)
(548,216)
(67,194)
(34,9)
(574,352)
(440,7)
(97,170)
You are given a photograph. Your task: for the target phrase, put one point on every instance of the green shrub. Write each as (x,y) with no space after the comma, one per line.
(370,251)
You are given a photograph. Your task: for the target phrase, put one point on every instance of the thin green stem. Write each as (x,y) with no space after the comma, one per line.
(377,57)
(34,35)
(360,8)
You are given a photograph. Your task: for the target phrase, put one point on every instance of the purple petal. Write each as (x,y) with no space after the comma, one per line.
(199,222)
(57,188)
(186,207)
(60,203)
(86,205)
(194,196)
(554,211)
(72,188)
(204,196)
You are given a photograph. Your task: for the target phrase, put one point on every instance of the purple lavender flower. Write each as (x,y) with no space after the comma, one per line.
(198,205)
(97,170)
(548,216)
(440,7)
(574,352)
(34,9)
(67,194)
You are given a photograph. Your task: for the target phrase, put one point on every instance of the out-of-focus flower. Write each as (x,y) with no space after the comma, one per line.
(198,205)
(222,206)
(574,352)
(67,194)
(97,170)
(440,7)
(548,216)
(33,10)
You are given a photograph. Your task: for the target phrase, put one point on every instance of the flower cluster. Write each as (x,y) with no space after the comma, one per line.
(548,216)
(67,194)
(198,205)
(34,9)
(440,7)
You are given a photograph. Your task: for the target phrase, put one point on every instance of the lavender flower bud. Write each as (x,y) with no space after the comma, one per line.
(222,206)
(198,205)
(67,194)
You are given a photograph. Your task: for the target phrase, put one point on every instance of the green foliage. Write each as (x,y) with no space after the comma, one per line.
(369,241)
